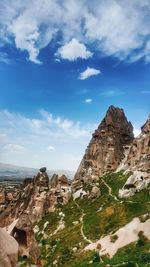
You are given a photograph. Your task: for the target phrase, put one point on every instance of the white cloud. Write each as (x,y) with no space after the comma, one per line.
(52,148)
(63,127)
(88,101)
(33,139)
(115,28)
(73,50)
(14,147)
(88,73)
(111,93)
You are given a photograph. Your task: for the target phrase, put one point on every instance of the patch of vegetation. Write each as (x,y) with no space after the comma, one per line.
(113,238)
(102,216)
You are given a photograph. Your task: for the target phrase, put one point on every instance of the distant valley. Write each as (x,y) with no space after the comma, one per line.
(8,171)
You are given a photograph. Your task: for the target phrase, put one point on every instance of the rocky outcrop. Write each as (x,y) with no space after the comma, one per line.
(8,250)
(57,180)
(35,199)
(54,180)
(139,154)
(106,148)
(138,163)
(63,180)
(24,235)
(9,194)
(41,181)
(95,192)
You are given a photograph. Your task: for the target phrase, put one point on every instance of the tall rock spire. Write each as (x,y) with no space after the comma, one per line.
(106,148)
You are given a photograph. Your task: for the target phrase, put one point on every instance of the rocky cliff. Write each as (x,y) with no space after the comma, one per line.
(137,161)
(106,148)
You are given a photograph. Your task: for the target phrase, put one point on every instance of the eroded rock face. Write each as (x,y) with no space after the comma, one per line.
(139,154)
(42,180)
(24,235)
(63,180)
(54,180)
(138,162)
(35,200)
(57,181)
(106,148)
(8,250)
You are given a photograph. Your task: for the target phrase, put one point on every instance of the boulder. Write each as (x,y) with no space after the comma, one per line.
(95,192)
(43,169)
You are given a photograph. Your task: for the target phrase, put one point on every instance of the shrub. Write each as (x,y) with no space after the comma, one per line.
(66,254)
(96,257)
(113,238)
(145,258)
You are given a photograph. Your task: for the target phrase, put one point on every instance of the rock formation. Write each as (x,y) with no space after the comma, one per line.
(8,250)
(137,162)
(106,148)
(139,154)
(95,192)
(35,199)
(54,180)
(24,234)
(57,180)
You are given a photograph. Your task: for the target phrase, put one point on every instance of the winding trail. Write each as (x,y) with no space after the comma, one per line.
(81,220)
(114,197)
(123,263)
(110,190)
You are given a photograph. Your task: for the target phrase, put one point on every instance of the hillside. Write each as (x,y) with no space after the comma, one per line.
(86,221)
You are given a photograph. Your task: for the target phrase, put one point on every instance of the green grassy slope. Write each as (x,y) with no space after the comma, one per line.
(102,216)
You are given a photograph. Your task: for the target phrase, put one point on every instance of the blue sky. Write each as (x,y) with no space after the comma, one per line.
(62,63)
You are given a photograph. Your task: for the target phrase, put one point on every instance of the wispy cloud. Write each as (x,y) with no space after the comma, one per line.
(14,147)
(73,50)
(29,141)
(88,101)
(4,58)
(145,92)
(88,73)
(115,28)
(111,93)
(52,148)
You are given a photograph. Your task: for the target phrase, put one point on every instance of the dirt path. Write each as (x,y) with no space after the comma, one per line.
(81,220)
(124,263)
(110,190)
(114,197)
